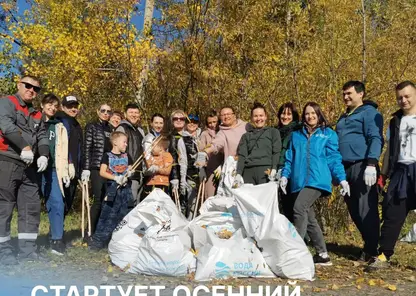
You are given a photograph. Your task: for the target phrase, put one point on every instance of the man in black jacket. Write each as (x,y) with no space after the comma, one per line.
(399,165)
(70,110)
(97,142)
(135,135)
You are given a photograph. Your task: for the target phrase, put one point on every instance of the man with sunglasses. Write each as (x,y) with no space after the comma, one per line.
(97,142)
(22,138)
(70,110)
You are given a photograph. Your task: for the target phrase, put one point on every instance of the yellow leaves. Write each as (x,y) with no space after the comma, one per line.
(110,269)
(391,287)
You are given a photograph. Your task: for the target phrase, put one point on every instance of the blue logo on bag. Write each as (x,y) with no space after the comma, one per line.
(221,269)
(292,229)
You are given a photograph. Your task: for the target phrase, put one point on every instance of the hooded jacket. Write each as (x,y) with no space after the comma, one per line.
(228,138)
(75,140)
(259,147)
(21,125)
(314,160)
(360,134)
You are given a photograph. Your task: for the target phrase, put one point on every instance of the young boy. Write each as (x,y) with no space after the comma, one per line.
(159,167)
(114,167)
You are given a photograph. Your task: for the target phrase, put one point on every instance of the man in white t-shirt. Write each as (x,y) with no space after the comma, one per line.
(399,165)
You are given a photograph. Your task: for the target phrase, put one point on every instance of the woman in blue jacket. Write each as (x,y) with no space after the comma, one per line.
(312,162)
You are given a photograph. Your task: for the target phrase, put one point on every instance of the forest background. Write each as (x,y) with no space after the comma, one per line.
(202,54)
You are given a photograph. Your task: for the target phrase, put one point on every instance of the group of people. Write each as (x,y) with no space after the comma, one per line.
(48,153)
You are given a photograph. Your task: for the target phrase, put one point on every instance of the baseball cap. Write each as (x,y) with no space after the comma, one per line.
(70,100)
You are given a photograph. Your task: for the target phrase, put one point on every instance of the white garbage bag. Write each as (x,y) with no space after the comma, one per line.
(228,173)
(164,253)
(157,209)
(410,236)
(219,203)
(221,223)
(234,257)
(126,239)
(282,247)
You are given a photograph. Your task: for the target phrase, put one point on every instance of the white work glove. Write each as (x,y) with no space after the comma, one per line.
(238,181)
(152,169)
(129,173)
(67,181)
(27,156)
(272,175)
(71,171)
(201,159)
(42,163)
(370,175)
(186,186)
(283,183)
(85,176)
(121,179)
(345,190)
(175,184)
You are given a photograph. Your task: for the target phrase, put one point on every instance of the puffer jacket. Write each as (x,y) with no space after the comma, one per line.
(96,143)
(173,150)
(21,125)
(313,161)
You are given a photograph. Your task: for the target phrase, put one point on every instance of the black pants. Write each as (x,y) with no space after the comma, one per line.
(363,207)
(255,175)
(70,195)
(401,198)
(98,189)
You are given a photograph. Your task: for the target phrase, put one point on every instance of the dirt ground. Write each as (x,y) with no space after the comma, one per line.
(82,267)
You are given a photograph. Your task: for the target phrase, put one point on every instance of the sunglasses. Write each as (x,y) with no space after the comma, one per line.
(29,86)
(105,111)
(178,118)
(193,117)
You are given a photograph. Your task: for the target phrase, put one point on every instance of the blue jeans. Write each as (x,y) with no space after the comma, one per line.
(112,213)
(54,203)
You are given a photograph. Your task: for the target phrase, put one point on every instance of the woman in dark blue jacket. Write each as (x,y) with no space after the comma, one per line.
(312,162)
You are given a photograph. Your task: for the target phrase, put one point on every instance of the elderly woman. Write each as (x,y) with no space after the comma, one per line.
(96,143)
(313,161)
(258,151)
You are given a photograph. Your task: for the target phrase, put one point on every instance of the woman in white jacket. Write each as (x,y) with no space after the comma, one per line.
(57,174)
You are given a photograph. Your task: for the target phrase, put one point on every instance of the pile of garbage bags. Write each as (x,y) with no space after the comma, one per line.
(239,233)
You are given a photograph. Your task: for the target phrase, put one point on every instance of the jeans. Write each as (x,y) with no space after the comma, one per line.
(112,213)
(304,217)
(54,203)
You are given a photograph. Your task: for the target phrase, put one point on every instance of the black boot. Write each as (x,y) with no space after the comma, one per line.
(6,254)
(28,251)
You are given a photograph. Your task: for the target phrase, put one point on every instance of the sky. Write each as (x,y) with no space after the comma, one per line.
(137,20)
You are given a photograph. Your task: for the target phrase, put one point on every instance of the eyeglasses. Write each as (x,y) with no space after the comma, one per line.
(29,86)
(178,118)
(226,114)
(102,111)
